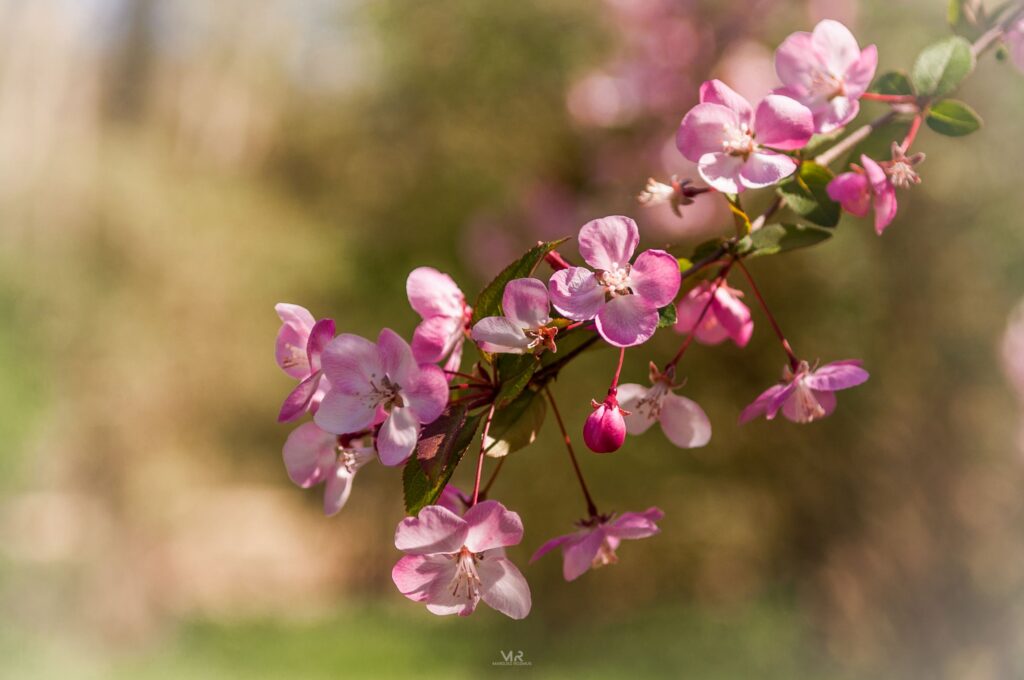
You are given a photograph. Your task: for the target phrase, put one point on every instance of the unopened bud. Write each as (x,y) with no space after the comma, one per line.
(605,429)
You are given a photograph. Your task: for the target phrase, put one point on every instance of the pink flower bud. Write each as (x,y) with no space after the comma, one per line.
(605,429)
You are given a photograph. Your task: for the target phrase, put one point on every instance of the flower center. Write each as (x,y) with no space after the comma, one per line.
(902,174)
(826,86)
(387,394)
(739,140)
(616,281)
(298,356)
(542,337)
(466,582)
(605,555)
(650,405)
(808,408)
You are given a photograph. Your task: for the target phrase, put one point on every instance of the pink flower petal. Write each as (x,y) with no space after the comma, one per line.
(491,526)
(503,587)
(525,303)
(635,525)
(498,334)
(838,375)
(797,63)
(337,489)
(351,363)
(721,171)
(426,393)
(851,190)
(415,575)
(734,316)
(833,114)
(309,454)
(860,74)
(794,410)
(556,542)
(684,422)
(783,123)
(764,169)
(639,420)
(608,243)
(579,555)
(397,436)
(627,320)
(575,293)
(717,92)
(435,337)
(885,209)
(290,347)
(767,403)
(342,413)
(322,333)
(655,277)
(452,499)
(434,530)
(396,357)
(455,358)
(689,309)
(838,46)
(432,293)
(298,400)
(703,130)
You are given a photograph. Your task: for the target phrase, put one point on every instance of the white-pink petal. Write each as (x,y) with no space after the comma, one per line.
(656,277)
(717,92)
(397,436)
(608,243)
(342,413)
(684,422)
(351,363)
(433,530)
(627,320)
(491,526)
(396,357)
(503,587)
(525,303)
(764,169)
(638,420)
(432,293)
(721,171)
(575,293)
(309,454)
(703,130)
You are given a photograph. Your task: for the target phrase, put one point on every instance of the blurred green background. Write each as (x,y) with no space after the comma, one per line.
(171,169)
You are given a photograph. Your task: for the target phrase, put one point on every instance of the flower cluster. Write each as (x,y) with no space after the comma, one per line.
(413,403)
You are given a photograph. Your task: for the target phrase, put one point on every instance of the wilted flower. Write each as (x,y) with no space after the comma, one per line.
(733,145)
(437,299)
(682,420)
(526,324)
(453,562)
(300,343)
(598,538)
(313,456)
(806,395)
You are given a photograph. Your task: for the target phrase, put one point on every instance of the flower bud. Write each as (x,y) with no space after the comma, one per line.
(605,429)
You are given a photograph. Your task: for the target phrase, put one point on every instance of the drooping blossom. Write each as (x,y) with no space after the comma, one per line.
(597,539)
(827,72)
(676,194)
(453,562)
(526,325)
(313,456)
(441,304)
(727,317)
(682,420)
(622,298)
(300,343)
(733,144)
(453,499)
(604,431)
(806,394)
(875,184)
(380,383)
(1014,39)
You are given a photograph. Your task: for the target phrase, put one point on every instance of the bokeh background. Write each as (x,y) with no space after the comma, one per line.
(170,169)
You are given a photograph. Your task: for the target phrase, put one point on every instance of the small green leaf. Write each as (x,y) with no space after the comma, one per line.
(667,316)
(684,264)
(514,373)
(892,82)
(515,426)
(806,194)
(778,238)
(440,448)
(941,66)
(953,118)
(488,303)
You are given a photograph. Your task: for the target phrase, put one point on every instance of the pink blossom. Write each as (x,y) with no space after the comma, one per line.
(1014,39)
(857,190)
(598,538)
(827,72)
(682,420)
(525,326)
(727,317)
(300,343)
(437,299)
(733,144)
(623,298)
(380,383)
(453,562)
(313,456)
(806,395)
(453,499)
(605,430)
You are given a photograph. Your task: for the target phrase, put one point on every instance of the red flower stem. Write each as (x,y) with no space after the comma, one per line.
(915,125)
(571,326)
(719,280)
(614,388)
(793,360)
(890,98)
(483,449)
(591,508)
(469,386)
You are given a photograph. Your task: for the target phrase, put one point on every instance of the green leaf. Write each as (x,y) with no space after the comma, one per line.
(892,82)
(953,118)
(515,426)
(440,448)
(942,66)
(966,18)
(684,264)
(778,238)
(667,316)
(806,194)
(488,303)
(514,373)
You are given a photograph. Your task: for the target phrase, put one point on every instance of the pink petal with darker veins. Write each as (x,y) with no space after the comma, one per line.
(768,402)
(556,542)
(578,555)
(627,320)
(342,413)
(322,333)
(525,303)
(608,243)
(351,362)
(838,375)
(655,277)
(576,293)
(426,393)
(396,357)
(298,400)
